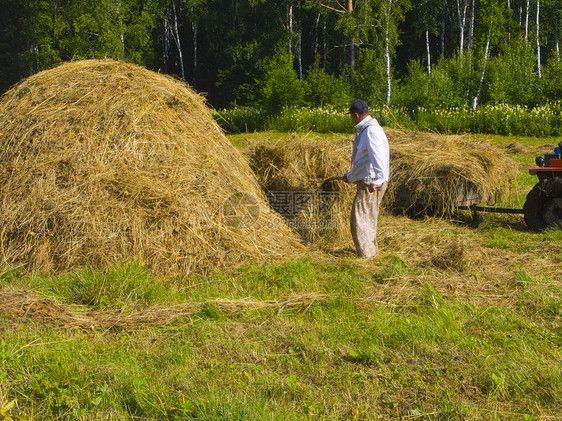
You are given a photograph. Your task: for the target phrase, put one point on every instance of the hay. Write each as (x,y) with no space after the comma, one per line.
(103,162)
(26,305)
(429,173)
(302,165)
(439,174)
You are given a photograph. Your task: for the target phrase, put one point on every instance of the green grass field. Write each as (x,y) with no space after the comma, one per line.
(458,319)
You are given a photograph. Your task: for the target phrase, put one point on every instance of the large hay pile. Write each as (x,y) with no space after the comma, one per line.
(104,162)
(428,172)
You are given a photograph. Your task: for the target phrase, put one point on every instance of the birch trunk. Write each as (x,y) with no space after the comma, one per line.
(176,35)
(443,17)
(166,39)
(195,50)
(299,40)
(316,41)
(509,28)
(538,39)
(557,43)
(290,29)
(471,27)
(352,44)
(324,45)
(461,14)
(387,53)
(121,35)
(428,49)
(527,21)
(481,82)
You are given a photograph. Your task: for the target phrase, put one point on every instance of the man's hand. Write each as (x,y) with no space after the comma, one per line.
(374,187)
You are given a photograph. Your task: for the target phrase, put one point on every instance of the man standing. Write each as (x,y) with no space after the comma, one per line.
(369,171)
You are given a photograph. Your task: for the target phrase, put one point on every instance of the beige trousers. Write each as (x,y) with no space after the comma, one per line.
(364,215)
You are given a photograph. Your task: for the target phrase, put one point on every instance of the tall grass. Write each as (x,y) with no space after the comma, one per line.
(504,119)
(542,121)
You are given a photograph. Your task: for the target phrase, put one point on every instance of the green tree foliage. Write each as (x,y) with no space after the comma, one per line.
(322,88)
(513,78)
(280,87)
(552,79)
(433,91)
(369,76)
(220,46)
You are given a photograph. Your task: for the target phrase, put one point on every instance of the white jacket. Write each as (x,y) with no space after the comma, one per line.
(370,160)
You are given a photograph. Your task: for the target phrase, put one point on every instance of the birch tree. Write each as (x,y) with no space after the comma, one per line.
(461,17)
(426,25)
(538,39)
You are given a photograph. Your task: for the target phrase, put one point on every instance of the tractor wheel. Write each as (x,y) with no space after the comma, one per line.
(543,207)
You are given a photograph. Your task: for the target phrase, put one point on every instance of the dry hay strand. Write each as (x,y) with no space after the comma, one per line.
(439,174)
(104,162)
(427,173)
(24,305)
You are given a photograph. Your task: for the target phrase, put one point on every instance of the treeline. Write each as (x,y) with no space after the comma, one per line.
(278,53)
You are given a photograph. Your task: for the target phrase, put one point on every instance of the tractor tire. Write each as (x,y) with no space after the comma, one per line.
(543,207)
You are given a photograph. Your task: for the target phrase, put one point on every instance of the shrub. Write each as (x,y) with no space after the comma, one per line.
(431,91)
(512,78)
(241,119)
(323,89)
(280,86)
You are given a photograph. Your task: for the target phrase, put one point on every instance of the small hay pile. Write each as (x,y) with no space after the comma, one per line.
(437,174)
(428,173)
(293,172)
(104,162)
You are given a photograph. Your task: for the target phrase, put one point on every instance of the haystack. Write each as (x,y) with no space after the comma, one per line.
(296,172)
(429,173)
(438,174)
(103,162)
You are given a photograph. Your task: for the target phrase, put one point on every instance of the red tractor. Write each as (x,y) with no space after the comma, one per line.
(543,207)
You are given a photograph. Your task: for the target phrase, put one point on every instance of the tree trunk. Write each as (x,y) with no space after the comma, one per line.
(290,13)
(428,49)
(461,14)
(527,21)
(176,35)
(509,27)
(471,27)
(299,40)
(352,44)
(316,41)
(479,91)
(324,46)
(121,25)
(557,42)
(387,53)
(538,39)
(166,34)
(443,18)
(195,51)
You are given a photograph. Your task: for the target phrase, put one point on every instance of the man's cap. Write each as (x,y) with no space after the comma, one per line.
(359,106)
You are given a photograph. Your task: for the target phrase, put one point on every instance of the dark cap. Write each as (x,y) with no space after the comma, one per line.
(359,106)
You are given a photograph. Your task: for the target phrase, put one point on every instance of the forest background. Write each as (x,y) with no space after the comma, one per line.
(447,65)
